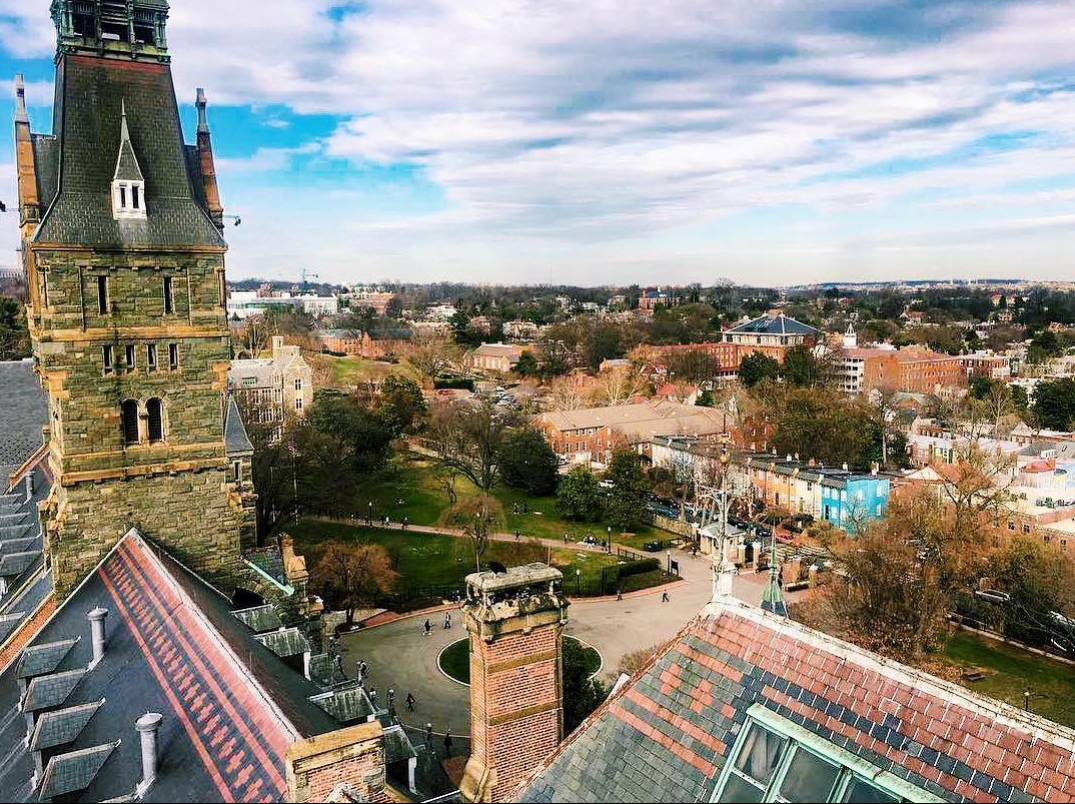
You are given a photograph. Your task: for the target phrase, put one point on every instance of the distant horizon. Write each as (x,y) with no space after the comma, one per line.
(776,143)
(606,286)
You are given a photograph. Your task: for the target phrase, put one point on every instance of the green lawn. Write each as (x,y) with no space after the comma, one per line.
(351,371)
(432,560)
(409,487)
(1010,672)
(455,660)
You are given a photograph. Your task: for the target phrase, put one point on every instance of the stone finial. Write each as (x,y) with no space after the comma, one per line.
(202,103)
(20,100)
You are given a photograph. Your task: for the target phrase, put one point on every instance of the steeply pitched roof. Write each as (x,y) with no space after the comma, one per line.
(236,440)
(127,165)
(88,122)
(231,707)
(668,734)
(23,413)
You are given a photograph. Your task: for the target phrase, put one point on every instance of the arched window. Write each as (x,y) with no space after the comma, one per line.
(130,422)
(155,414)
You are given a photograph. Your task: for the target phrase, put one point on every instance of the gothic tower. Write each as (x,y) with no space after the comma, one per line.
(122,235)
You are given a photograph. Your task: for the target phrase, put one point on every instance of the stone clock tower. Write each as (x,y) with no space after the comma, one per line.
(122,242)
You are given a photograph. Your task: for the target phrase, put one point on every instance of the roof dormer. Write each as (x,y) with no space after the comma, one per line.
(128,184)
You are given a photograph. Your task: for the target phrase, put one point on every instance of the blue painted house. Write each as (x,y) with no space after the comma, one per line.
(845,498)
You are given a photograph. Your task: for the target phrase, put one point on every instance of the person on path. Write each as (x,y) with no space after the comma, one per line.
(665,598)
(448,743)
(429,628)
(517,535)
(410,702)
(619,594)
(447,621)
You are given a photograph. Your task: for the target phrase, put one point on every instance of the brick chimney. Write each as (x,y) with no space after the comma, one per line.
(349,762)
(515,620)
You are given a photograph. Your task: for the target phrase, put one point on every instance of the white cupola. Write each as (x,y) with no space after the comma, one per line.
(128,185)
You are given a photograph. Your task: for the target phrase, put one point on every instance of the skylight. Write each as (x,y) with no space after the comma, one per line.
(777,760)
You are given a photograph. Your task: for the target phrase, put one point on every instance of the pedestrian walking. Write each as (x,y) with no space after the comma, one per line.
(517,535)
(364,667)
(619,594)
(665,598)
(448,743)
(447,621)
(429,627)
(410,702)
(406,522)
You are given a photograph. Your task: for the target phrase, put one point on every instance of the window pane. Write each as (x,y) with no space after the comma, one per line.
(860,791)
(760,753)
(736,789)
(809,778)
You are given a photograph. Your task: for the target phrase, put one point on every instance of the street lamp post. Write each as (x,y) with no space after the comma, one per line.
(578,582)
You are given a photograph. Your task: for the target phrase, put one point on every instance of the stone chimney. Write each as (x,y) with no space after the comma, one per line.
(515,620)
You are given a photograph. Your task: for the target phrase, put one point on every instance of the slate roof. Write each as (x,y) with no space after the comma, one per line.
(87,120)
(774,325)
(22,415)
(236,440)
(260,619)
(666,734)
(231,707)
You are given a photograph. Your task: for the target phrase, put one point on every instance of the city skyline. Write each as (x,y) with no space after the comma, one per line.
(771,145)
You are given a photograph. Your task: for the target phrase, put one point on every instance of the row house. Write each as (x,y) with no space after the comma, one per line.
(838,496)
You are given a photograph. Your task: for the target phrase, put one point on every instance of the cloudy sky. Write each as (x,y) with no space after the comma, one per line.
(613,141)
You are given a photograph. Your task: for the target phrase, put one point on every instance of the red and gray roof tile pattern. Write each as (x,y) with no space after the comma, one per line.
(666,735)
(224,733)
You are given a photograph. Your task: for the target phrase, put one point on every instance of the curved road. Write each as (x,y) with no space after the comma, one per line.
(401,657)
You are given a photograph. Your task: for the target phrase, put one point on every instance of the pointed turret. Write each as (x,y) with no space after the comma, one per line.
(29,198)
(773,598)
(206,164)
(851,339)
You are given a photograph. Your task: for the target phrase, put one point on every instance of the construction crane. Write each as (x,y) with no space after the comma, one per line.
(306,277)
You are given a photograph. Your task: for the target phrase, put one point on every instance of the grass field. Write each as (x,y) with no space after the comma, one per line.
(409,487)
(351,371)
(1011,671)
(431,560)
(455,660)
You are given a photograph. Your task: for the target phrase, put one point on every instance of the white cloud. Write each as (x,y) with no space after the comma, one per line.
(598,133)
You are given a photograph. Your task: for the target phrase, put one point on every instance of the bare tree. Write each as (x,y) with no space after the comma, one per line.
(617,387)
(478,532)
(884,403)
(568,393)
(351,576)
(430,355)
(466,438)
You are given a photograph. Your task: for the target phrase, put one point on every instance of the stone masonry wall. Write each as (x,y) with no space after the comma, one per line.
(197,515)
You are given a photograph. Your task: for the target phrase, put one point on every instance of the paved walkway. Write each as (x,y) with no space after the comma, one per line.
(401,657)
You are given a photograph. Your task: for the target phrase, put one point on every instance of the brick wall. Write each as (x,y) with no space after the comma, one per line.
(353,758)
(516,704)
